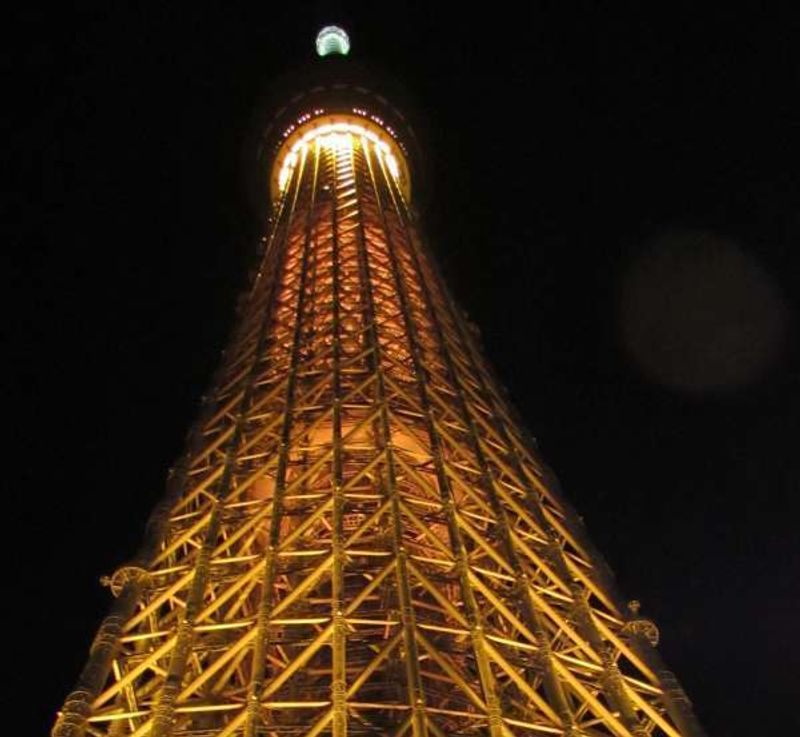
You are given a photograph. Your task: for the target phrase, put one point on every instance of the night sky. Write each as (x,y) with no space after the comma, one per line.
(613,196)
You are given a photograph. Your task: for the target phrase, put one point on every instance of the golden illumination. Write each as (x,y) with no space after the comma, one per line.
(336,131)
(360,540)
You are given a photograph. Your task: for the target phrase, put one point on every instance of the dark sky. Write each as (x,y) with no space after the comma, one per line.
(614,199)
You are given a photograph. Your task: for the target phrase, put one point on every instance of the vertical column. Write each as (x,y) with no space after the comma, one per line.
(486,677)
(337,160)
(383,441)
(261,645)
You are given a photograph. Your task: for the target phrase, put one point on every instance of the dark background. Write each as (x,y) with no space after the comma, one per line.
(613,198)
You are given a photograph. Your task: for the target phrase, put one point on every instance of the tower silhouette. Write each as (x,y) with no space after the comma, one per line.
(360,538)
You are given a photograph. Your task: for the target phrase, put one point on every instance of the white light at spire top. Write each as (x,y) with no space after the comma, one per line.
(332,40)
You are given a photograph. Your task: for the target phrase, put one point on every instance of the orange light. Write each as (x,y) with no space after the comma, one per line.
(336,132)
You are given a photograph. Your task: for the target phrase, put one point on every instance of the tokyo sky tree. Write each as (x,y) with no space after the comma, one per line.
(360,537)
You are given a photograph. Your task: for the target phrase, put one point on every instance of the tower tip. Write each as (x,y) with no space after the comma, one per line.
(333,40)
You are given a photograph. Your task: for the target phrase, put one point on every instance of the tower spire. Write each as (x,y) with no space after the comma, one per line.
(332,40)
(359,538)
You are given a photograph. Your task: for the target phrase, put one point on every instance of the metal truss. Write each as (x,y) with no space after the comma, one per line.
(360,539)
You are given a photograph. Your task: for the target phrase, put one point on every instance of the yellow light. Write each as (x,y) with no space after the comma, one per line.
(336,136)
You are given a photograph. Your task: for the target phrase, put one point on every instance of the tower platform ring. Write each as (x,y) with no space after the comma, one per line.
(310,127)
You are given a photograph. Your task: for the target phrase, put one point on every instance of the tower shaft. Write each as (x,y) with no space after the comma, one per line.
(360,539)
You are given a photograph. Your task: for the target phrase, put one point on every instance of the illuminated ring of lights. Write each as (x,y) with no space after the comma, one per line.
(332,130)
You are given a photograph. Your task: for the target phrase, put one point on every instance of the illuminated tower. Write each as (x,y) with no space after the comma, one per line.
(360,539)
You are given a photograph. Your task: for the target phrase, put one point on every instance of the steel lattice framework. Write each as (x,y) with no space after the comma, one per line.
(360,539)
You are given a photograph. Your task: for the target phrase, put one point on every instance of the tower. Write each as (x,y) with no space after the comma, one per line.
(360,538)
